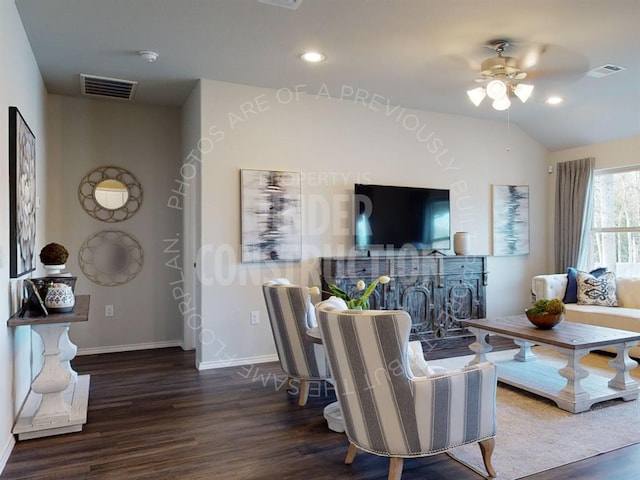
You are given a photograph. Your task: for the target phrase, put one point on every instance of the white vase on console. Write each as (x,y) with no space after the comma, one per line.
(461,243)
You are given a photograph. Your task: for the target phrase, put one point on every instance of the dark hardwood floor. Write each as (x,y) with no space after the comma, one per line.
(152,415)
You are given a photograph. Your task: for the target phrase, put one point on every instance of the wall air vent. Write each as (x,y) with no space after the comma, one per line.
(107,87)
(290,4)
(605,70)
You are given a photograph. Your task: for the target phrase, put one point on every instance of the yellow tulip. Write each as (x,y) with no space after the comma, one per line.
(360,285)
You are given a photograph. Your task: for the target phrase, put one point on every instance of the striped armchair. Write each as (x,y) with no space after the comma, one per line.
(390,412)
(291,314)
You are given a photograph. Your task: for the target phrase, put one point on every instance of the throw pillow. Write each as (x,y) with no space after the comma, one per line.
(597,290)
(417,363)
(571,293)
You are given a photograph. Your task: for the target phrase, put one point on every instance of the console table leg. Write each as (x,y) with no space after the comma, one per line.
(481,347)
(68,351)
(524,354)
(53,379)
(573,394)
(623,364)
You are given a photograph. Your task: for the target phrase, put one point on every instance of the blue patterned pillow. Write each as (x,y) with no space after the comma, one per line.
(597,290)
(571,293)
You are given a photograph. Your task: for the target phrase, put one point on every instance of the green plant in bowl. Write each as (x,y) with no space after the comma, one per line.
(546,313)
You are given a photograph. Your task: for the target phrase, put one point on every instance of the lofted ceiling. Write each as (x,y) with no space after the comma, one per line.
(420,54)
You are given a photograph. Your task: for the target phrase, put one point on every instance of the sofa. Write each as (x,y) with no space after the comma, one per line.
(625,316)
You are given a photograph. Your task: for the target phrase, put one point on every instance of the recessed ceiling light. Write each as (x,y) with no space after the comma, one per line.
(313,57)
(554,100)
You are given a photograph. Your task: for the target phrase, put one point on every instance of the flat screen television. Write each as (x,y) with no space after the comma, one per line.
(390,217)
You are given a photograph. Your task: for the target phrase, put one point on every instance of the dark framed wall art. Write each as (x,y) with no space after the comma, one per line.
(22,195)
(271,216)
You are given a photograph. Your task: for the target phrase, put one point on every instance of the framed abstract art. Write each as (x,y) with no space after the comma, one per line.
(22,195)
(271,216)
(510,220)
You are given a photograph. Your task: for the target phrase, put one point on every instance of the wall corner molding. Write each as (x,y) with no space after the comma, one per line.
(6,452)
(129,348)
(236,362)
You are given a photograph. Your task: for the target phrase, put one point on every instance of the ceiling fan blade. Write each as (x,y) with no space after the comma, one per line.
(559,62)
(531,57)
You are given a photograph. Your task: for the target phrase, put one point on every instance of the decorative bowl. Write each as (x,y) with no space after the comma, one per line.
(545,321)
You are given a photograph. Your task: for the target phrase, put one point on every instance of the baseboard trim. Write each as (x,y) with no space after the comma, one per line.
(235,362)
(129,348)
(6,452)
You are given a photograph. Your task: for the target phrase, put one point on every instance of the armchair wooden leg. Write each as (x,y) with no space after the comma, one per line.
(351,454)
(304,392)
(395,468)
(486,448)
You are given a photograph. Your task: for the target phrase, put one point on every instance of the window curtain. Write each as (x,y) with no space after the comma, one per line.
(573,213)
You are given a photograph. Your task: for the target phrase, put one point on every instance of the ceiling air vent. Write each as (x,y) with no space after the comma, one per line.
(107,87)
(605,70)
(290,4)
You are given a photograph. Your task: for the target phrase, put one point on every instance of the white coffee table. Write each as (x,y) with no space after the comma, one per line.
(572,387)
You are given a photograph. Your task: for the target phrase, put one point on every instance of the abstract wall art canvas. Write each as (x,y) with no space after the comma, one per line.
(510,220)
(22,195)
(271,216)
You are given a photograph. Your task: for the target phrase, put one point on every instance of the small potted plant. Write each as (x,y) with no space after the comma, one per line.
(361,301)
(54,256)
(545,313)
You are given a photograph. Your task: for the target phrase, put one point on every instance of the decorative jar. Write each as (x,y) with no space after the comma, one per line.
(60,298)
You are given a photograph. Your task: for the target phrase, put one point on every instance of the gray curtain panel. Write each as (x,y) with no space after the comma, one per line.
(573,213)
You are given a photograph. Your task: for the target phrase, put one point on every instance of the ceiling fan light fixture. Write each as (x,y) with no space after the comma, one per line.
(496,89)
(523,91)
(476,95)
(501,103)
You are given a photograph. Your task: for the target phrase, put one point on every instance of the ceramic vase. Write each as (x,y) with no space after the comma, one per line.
(461,243)
(60,298)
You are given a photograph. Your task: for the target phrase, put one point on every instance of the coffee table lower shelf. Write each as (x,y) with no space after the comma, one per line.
(543,379)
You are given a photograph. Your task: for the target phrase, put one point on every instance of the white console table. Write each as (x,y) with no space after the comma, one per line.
(58,400)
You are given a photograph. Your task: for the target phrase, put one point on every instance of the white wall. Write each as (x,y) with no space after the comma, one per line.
(85,134)
(20,86)
(613,154)
(334,143)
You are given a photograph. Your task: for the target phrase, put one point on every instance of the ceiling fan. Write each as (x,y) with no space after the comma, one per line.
(501,74)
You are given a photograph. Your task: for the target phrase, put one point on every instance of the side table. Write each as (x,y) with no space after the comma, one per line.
(58,400)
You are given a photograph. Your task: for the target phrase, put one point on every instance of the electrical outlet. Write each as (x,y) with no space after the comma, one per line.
(108,310)
(255,317)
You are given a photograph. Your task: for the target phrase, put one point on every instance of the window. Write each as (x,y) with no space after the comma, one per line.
(615,229)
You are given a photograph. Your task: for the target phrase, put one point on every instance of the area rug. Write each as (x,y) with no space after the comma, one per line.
(534,435)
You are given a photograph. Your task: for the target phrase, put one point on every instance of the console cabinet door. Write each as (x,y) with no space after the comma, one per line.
(417,297)
(461,298)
